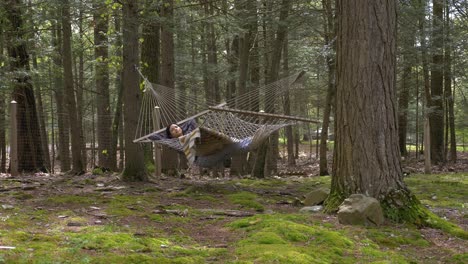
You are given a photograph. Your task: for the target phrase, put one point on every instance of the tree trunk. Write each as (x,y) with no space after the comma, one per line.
(79,88)
(62,120)
(168,76)
(330,43)
(150,57)
(407,40)
(70,99)
(448,85)
(117,121)
(30,153)
(42,122)
(287,111)
(135,169)
(273,75)
(403,103)
(367,156)
(101,55)
(436,115)
(2,133)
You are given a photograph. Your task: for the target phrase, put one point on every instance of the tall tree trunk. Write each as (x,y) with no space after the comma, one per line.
(273,75)
(2,110)
(101,55)
(135,169)
(117,121)
(168,75)
(80,81)
(42,122)
(330,43)
(2,133)
(407,40)
(367,157)
(245,11)
(436,115)
(448,85)
(62,120)
(70,99)
(150,58)
(287,108)
(30,153)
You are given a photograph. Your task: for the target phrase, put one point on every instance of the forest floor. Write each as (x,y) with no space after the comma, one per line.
(47,218)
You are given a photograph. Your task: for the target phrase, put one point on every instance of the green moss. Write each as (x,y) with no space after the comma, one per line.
(61,200)
(459,258)
(128,205)
(97,171)
(333,201)
(435,221)
(22,196)
(393,238)
(246,199)
(278,238)
(440,190)
(260,183)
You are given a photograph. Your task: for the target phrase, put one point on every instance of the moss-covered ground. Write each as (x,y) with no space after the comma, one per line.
(99,219)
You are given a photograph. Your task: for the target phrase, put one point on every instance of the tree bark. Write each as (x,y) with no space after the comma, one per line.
(329,36)
(449,96)
(70,99)
(42,122)
(30,152)
(367,156)
(436,114)
(101,55)
(135,169)
(117,119)
(170,156)
(273,75)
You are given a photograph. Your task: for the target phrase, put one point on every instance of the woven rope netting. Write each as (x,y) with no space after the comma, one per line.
(256,113)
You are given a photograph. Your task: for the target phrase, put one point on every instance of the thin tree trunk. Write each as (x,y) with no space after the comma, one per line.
(101,54)
(75,127)
(135,169)
(330,42)
(80,88)
(273,75)
(449,96)
(2,133)
(168,76)
(117,121)
(436,115)
(42,122)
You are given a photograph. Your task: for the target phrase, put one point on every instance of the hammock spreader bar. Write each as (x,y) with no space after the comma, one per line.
(238,111)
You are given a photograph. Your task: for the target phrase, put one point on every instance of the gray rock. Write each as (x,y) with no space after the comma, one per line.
(316,196)
(359,209)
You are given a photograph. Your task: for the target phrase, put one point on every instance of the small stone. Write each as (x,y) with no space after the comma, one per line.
(311,209)
(74,224)
(7,206)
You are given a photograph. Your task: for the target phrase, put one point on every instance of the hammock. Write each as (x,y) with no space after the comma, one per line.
(223,129)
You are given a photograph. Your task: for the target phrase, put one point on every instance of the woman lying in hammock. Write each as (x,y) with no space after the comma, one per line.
(175,131)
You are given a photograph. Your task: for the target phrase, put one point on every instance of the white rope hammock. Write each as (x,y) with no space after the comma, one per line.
(242,123)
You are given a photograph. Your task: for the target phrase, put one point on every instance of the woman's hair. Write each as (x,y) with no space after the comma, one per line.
(168,131)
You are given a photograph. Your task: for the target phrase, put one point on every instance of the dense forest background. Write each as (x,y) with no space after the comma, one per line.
(71,66)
